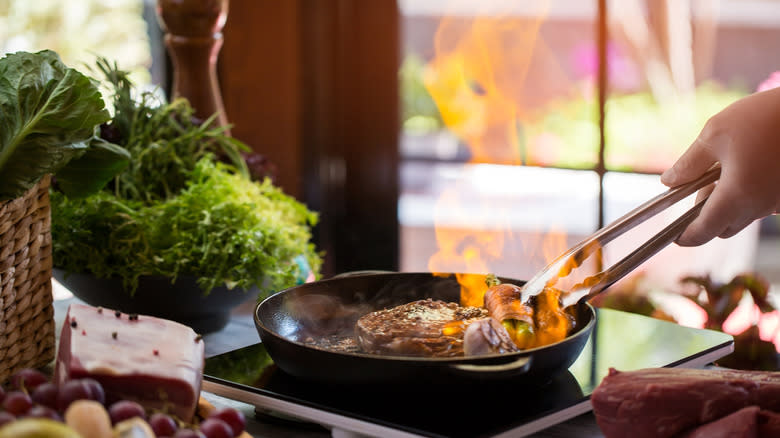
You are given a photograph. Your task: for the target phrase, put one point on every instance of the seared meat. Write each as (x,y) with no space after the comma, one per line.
(503,302)
(429,328)
(529,325)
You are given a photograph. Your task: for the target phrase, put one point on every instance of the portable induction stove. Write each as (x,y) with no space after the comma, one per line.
(620,340)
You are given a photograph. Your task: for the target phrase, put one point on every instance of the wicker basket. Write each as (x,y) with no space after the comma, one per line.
(27,338)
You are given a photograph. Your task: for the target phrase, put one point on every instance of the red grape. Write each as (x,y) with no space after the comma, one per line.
(215,428)
(40,411)
(6,417)
(162,424)
(125,409)
(71,391)
(46,395)
(188,433)
(96,391)
(2,394)
(233,417)
(28,379)
(17,402)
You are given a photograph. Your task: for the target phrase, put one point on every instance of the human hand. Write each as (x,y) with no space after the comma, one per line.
(745,138)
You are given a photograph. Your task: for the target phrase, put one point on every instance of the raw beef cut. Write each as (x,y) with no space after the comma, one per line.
(666,402)
(749,422)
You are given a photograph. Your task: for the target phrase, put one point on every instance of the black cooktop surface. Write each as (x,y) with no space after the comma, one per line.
(621,340)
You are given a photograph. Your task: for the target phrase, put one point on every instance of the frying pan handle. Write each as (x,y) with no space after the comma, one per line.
(519,366)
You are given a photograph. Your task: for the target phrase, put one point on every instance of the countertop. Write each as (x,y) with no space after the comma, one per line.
(241,332)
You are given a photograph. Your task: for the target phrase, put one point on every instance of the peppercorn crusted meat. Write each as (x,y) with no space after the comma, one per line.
(429,328)
(153,361)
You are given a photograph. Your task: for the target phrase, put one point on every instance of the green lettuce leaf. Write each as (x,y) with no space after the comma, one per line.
(48,114)
(90,172)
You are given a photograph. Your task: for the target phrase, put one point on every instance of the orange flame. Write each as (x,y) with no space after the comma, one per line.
(554,244)
(479,81)
(466,251)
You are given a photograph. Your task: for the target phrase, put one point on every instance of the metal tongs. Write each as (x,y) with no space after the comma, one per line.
(573,258)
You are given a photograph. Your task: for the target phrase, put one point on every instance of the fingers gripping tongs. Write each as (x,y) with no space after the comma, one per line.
(592,285)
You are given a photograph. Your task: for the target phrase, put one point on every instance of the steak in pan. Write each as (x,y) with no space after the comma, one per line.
(429,328)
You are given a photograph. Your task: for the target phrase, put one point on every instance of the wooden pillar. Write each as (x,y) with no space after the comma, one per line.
(351,128)
(260,80)
(313,86)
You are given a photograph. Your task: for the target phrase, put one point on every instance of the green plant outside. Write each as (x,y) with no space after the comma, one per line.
(640,133)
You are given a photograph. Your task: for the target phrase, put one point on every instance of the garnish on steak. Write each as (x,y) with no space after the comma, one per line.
(430,328)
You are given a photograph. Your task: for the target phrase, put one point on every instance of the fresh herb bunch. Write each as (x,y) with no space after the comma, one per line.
(179,209)
(223,228)
(165,140)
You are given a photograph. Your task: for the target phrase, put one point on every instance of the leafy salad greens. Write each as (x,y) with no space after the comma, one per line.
(184,205)
(49,114)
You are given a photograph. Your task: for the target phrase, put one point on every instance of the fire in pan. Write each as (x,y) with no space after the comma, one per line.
(309,332)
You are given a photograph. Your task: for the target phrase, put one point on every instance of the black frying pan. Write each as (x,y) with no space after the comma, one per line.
(289,320)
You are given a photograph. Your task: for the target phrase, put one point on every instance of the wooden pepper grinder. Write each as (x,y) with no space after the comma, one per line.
(193,35)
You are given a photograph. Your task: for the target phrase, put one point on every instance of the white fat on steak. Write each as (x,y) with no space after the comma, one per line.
(156,362)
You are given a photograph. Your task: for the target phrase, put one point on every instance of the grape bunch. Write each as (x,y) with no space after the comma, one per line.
(81,403)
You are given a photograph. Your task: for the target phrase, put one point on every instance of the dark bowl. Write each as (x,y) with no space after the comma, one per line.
(182,301)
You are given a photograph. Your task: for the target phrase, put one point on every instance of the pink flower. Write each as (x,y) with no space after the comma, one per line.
(622,71)
(773,81)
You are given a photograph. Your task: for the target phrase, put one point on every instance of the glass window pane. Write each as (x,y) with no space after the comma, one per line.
(511,82)
(80,30)
(508,220)
(494,93)
(672,65)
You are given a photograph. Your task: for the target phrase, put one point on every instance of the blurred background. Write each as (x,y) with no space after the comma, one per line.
(439,135)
